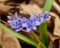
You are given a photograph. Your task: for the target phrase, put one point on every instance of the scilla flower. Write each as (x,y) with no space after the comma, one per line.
(25,22)
(31,24)
(38,20)
(46,16)
(19,23)
(15,22)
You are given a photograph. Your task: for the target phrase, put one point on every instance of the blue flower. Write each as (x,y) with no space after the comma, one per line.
(25,22)
(38,20)
(46,16)
(19,23)
(31,24)
(15,22)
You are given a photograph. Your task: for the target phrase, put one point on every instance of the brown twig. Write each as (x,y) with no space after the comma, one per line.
(4,22)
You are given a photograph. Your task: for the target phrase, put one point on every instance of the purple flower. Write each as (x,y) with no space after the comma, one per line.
(39,20)
(25,22)
(31,24)
(19,23)
(15,22)
(46,16)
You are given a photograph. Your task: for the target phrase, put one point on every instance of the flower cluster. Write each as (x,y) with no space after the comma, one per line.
(18,23)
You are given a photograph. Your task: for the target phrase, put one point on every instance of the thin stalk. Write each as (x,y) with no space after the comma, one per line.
(35,36)
(37,39)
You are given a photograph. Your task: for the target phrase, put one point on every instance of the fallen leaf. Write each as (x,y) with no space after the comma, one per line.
(7,40)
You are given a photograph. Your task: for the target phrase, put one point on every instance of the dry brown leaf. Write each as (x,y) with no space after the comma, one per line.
(51,45)
(8,41)
(30,9)
(57,24)
(57,7)
(4,8)
(59,0)
(59,43)
(2,0)
(52,37)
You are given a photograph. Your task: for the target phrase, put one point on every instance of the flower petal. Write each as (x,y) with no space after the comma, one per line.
(28,29)
(9,17)
(24,25)
(38,23)
(16,15)
(34,28)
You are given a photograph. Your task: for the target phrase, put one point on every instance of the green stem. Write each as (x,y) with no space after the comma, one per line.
(43,34)
(35,36)
(37,39)
(20,36)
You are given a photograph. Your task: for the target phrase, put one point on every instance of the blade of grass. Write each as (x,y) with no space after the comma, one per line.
(35,36)
(20,36)
(43,34)
(43,26)
(48,5)
(37,39)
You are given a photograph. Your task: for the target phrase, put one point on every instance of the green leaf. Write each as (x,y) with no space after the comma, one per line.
(37,39)
(35,36)
(43,26)
(20,36)
(43,34)
(48,5)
